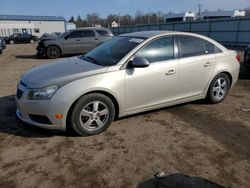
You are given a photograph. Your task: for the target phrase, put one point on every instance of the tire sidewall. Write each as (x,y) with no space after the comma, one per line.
(53,57)
(83,101)
(210,91)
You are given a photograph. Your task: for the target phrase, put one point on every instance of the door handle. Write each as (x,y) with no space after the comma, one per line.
(96,38)
(78,40)
(170,72)
(207,64)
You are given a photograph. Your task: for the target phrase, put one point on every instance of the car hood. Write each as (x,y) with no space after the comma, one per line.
(60,72)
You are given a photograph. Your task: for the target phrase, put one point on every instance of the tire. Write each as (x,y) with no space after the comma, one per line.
(92,114)
(1,51)
(12,42)
(53,52)
(218,88)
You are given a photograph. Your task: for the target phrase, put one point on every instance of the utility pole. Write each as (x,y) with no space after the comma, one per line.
(199,5)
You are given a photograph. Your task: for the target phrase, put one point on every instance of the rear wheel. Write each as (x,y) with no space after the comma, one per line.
(12,42)
(92,114)
(53,52)
(219,88)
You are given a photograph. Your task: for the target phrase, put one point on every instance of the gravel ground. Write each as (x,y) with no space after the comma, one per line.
(194,144)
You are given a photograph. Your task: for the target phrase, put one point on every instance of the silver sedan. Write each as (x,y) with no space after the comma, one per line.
(129,74)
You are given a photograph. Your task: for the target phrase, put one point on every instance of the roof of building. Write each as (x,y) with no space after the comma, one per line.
(219,13)
(32,18)
(180,15)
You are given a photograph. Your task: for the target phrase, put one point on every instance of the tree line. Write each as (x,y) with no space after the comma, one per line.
(94,19)
(140,17)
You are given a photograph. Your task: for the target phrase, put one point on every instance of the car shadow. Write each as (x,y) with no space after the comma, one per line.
(10,124)
(178,180)
(27,57)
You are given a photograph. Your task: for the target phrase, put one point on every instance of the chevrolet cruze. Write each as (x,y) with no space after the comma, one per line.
(130,73)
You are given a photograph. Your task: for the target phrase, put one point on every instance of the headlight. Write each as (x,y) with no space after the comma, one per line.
(43,93)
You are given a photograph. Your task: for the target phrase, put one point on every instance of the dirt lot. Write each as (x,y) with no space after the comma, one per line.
(210,142)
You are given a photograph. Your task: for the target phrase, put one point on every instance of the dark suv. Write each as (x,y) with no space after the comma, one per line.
(247,57)
(77,41)
(2,45)
(21,38)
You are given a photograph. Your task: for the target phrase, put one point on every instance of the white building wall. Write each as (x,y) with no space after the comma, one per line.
(8,27)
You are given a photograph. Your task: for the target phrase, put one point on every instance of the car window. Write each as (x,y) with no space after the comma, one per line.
(161,49)
(87,33)
(104,33)
(191,46)
(75,34)
(211,48)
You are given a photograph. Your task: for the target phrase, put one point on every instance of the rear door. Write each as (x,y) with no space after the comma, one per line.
(197,62)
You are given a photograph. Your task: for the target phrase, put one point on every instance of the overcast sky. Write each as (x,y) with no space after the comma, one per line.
(66,8)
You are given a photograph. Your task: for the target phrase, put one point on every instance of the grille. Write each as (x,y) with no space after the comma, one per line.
(40,119)
(19,93)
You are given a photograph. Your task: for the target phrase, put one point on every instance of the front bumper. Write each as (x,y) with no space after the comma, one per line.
(26,109)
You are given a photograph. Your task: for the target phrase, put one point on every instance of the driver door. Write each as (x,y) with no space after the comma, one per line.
(157,83)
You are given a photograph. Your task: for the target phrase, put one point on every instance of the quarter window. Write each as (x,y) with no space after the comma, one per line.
(211,48)
(161,49)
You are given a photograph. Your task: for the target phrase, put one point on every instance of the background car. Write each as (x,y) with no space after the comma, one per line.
(2,45)
(21,38)
(128,74)
(247,57)
(77,41)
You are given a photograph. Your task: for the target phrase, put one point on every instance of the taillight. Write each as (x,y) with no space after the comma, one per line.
(238,57)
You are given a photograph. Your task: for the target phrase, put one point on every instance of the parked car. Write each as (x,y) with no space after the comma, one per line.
(21,38)
(247,57)
(128,74)
(77,41)
(2,45)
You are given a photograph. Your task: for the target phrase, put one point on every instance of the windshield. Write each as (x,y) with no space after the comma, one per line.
(112,51)
(64,34)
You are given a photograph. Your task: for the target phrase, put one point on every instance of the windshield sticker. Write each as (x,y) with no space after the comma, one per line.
(137,40)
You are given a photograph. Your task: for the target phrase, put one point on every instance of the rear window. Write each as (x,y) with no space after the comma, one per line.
(104,33)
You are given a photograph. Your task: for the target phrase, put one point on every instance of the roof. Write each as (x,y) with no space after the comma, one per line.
(180,15)
(146,34)
(32,18)
(218,13)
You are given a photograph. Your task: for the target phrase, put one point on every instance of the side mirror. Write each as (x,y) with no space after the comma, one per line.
(66,37)
(140,62)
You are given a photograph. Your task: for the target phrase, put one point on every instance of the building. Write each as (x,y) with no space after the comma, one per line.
(114,24)
(35,25)
(223,14)
(70,26)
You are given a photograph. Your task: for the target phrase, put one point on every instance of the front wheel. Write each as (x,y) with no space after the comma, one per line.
(218,89)
(92,114)
(53,52)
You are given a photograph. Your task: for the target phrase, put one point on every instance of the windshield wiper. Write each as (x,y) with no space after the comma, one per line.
(92,59)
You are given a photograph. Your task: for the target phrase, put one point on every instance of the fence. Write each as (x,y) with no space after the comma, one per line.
(233,31)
